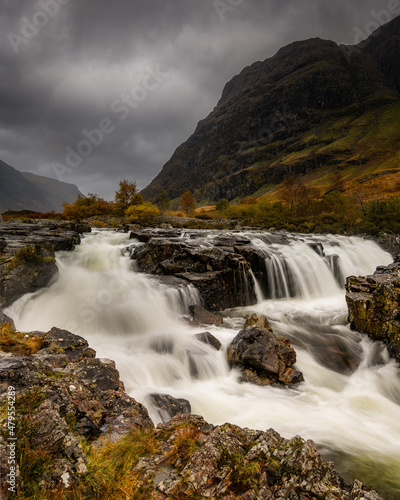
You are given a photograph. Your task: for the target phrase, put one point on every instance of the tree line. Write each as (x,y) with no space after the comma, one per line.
(127,203)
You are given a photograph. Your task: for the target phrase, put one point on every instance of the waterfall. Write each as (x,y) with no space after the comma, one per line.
(349,403)
(306,268)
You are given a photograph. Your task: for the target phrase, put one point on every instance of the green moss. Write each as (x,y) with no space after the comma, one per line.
(29,255)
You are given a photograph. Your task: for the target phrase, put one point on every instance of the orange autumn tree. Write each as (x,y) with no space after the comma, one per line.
(188,203)
(126,196)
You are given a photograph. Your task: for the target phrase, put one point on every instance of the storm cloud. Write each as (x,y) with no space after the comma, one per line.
(95,91)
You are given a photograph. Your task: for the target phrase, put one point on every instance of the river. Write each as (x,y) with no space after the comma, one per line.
(348,404)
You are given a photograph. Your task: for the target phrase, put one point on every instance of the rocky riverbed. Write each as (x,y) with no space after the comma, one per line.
(65,394)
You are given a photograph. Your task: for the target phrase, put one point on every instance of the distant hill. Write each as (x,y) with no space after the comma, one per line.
(312,110)
(25,191)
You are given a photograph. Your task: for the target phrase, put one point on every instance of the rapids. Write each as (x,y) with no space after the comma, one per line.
(349,405)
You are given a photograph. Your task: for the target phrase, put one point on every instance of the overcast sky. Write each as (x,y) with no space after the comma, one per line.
(95,91)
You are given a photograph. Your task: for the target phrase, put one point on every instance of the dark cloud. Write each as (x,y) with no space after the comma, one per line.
(135,77)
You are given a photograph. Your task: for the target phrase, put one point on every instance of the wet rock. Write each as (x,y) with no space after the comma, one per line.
(26,278)
(336,354)
(74,347)
(208,338)
(5,320)
(263,358)
(201,315)
(222,290)
(168,406)
(219,272)
(374,306)
(45,237)
(257,320)
(228,462)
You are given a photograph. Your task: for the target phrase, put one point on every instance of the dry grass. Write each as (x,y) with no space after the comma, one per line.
(17,342)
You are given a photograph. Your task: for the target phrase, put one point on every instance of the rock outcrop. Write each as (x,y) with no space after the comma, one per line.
(62,393)
(374,306)
(27,254)
(262,357)
(227,462)
(218,271)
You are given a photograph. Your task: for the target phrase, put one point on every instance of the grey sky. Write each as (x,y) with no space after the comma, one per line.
(124,82)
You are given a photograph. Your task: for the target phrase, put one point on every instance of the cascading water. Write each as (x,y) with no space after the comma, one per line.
(349,403)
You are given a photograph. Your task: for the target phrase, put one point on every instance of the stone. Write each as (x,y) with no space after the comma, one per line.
(263,358)
(208,338)
(257,320)
(6,320)
(374,306)
(201,315)
(168,406)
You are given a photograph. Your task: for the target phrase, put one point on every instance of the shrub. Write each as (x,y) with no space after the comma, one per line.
(144,214)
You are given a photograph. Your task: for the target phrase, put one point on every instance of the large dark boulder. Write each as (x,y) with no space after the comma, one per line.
(263,358)
(374,306)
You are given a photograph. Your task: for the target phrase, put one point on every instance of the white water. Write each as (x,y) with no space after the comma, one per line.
(132,319)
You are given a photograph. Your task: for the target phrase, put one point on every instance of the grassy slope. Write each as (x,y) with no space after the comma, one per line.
(365,149)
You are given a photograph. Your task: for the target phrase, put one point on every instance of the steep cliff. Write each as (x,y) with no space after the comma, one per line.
(313,107)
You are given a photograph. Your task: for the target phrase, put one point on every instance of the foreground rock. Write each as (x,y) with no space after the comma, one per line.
(262,357)
(27,254)
(374,306)
(200,460)
(62,393)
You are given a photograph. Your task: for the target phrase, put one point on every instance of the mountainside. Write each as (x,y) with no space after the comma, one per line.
(313,109)
(26,191)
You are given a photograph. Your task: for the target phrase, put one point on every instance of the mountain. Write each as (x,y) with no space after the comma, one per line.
(313,109)
(25,191)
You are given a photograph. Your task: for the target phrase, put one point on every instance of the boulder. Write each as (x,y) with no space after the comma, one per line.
(263,358)
(208,338)
(201,315)
(168,406)
(257,320)
(374,306)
